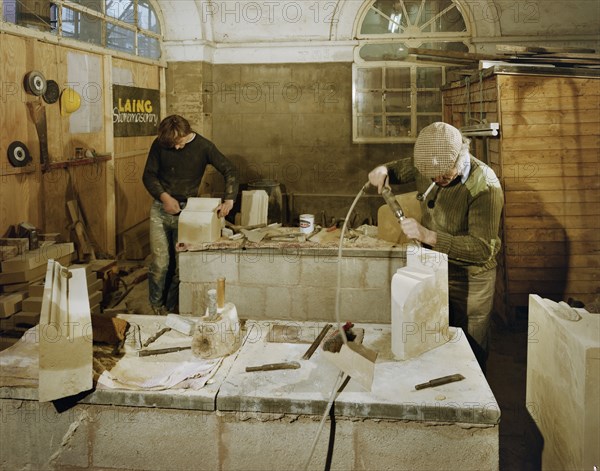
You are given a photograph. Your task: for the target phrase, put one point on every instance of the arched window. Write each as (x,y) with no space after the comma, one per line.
(394,97)
(130,26)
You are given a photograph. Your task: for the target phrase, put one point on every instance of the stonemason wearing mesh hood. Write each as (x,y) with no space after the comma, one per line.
(174,169)
(460,217)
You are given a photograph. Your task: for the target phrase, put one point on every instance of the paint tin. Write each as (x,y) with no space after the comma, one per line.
(307,223)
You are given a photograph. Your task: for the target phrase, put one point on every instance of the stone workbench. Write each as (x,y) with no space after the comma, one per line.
(266,420)
(294,280)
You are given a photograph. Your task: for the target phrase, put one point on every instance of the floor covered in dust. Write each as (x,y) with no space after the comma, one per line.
(520,441)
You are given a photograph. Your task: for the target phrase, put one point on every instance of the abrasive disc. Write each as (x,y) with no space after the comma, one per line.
(35,83)
(52,92)
(18,154)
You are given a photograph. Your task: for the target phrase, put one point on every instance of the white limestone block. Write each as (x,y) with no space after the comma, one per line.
(218,337)
(563,384)
(420,303)
(255,207)
(199,222)
(65,344)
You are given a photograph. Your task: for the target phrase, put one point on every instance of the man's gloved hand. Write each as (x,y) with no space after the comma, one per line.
(224,208)
(378,177)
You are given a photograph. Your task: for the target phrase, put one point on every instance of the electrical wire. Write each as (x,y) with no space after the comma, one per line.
(337,387)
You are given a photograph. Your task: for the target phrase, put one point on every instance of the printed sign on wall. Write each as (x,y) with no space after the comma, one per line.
(136,111)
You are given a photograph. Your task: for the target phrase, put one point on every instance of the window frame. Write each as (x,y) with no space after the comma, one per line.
(411,40)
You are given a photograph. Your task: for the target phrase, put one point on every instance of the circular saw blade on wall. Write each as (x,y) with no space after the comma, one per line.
(35,83)
(18,154)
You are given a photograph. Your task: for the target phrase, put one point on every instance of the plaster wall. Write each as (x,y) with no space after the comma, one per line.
(246,31)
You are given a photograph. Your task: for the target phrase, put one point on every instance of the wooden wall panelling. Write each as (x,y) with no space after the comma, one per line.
(19,199)
(547,157)
(110,208)
(132,201)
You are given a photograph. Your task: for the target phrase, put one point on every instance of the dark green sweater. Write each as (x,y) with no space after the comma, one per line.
(466,217)
(179,172)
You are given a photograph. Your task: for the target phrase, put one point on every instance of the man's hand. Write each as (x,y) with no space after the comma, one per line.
(170,204)
(414,230)
(378,177)
(224,208)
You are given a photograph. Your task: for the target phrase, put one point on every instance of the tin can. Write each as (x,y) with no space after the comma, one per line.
(307,223)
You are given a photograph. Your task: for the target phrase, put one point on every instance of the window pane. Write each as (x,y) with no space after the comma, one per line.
(369,126)
(9,11)
(398,126)
(120,38)
(429,77)
(29,13)
(385,52)
(398,77)
(368,102)
(446,46)
(148,47)
(95,5)
(147,17)
(80,26)
(121,10)
(368,78)
(397,102)
(429,101)
(425,120)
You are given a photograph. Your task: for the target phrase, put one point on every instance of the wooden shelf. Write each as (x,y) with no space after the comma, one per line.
(75,162)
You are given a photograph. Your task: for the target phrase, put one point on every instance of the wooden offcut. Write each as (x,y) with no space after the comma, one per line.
(136,241)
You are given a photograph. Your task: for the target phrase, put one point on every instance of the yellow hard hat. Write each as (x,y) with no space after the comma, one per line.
(70,101)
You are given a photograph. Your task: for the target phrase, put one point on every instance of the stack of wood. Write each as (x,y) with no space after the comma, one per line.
(22,282)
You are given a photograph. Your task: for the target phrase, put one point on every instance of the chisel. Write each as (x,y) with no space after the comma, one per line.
(289,365)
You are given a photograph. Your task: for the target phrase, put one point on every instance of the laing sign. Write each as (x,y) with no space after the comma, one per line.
(136,111)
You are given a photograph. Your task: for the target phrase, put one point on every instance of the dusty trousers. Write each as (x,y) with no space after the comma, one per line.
(471,298)
(163,273)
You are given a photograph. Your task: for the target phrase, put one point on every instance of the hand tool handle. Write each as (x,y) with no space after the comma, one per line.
(160,351)
(317,342)
(440,381)
(290,365)
(156,336)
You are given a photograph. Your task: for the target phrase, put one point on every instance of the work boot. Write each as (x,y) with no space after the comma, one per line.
(159,310)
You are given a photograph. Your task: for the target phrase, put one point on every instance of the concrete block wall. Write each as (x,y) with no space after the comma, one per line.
(92,437)
(291,284)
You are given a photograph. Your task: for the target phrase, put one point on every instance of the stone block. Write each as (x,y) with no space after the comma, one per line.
(206,267)
(563,380)
(269,268)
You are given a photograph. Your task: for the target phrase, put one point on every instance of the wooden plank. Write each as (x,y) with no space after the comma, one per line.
(576,104)
(553,196)
(84,247)
(551,235)
(529,88)
(542,287)
(36,258)
(535,215)
(550,117)
(30,275)
(539,261)
(558,129)
(10,303)
(558,248)
(549,142)
(553,273)
(543,170)
(552,156)
(557,184)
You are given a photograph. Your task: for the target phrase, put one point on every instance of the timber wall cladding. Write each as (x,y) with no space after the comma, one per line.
(547,157)
(33,196)
(132,199)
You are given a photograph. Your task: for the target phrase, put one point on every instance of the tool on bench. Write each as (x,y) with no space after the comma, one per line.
(316,342)
(156,336)
(440,381)
(288,365)
(161,351)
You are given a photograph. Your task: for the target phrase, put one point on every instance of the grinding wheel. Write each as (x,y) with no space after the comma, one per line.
(52,92)
(18,154)
(35,83)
